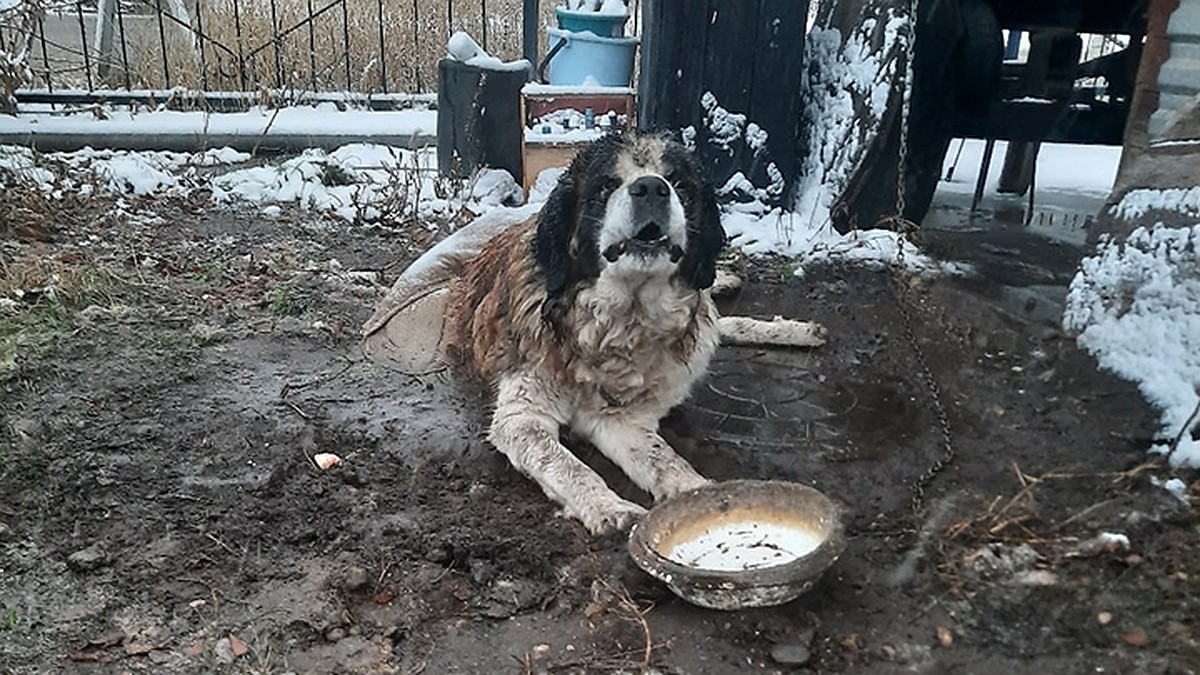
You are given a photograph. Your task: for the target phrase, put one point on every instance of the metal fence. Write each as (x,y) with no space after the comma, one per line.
(260,46)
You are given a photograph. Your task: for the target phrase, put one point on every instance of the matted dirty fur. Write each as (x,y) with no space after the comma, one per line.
(596,316)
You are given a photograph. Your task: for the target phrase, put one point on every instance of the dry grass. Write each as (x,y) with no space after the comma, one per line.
(48,293)
(16,34)
(343,48)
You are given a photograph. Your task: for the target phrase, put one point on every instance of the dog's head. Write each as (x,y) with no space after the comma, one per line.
(633,206)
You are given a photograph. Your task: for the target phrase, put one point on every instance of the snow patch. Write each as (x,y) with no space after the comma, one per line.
(606,7)
(323,119)
(1137,203)
(811,243)
(1136,307)
(838,73)
(363,182)
(462,47)
(1175,486)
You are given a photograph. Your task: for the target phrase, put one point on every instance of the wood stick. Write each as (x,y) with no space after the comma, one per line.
(778,332)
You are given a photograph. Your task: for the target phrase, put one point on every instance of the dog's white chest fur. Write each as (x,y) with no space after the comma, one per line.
(640,347)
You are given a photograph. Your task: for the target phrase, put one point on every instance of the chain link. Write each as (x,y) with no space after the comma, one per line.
(904,229)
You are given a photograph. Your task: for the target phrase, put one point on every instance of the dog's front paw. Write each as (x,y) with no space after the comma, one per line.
(611,515)
(678,482)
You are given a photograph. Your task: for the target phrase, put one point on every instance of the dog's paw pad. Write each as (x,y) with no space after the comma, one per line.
(616,517)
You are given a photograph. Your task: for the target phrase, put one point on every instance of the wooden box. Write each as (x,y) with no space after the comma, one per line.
(541,151)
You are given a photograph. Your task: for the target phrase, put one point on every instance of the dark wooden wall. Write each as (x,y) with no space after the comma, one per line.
(748,53)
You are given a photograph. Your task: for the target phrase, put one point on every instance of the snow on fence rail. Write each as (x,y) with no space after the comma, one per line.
(365,46)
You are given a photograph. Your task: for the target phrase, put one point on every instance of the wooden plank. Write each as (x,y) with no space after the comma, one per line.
(670,85)
(748,54)
(728,73)
(778,69)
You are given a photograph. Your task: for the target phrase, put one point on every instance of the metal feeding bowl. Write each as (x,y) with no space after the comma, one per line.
(742,543)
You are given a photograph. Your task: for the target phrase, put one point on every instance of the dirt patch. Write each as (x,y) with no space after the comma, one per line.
(161,512)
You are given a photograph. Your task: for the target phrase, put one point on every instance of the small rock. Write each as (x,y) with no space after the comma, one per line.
(482,571)
(1105,542)
(160,656)
(790,654)
(1036,578)
(385,596)
(1104,618)
(196,648)
(88,559)
(1136,638)
(326,460)
(481,492)
(336,633)
(1180,632)
(137,648)
(439,554)
(224,651)
(944,637)
(355,579)
(851,642)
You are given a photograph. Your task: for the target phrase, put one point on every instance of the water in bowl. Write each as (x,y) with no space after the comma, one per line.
(741,546)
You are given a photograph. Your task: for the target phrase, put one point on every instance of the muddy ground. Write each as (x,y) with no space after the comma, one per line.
(160,511)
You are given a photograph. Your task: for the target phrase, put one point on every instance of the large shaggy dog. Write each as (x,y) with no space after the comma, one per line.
(595,316)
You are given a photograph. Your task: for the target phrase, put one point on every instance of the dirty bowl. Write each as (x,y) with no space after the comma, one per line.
(742,543)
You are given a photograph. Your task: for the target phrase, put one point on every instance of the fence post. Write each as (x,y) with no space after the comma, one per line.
(106,54)
(529,31)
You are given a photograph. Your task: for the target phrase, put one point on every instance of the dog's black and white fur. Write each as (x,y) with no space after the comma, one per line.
(597,317)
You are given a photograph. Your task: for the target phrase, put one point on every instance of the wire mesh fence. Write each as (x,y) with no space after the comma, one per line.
(362,46)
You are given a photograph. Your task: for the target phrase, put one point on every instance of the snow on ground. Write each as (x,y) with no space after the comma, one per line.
(358,182)
(365,182)
(1137,203)
(324,119)
(115,171)
(1062,168)
(1136,307)
(809,242)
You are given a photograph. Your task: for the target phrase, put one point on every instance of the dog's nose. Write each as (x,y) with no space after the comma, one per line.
(650,189)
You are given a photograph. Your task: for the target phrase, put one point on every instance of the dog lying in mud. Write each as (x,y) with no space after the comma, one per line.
(595,315)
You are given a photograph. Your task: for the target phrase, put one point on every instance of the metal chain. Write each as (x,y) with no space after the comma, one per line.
(904,229)
(910,35)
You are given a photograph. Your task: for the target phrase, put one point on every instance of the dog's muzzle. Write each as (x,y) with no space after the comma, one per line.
(650,199)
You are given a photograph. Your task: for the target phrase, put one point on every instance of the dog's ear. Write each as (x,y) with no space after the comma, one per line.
(552,245)
(706,238)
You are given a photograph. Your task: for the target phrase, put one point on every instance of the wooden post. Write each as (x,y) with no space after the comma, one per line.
(529,31)
(106,24)
(479,118)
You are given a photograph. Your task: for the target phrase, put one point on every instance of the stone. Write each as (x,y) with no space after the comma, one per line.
(89,559)
(223,650)
(790,654)
(355,579)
